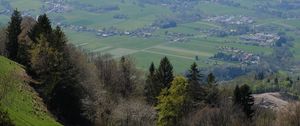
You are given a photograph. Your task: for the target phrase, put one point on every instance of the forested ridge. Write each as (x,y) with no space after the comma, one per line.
(87,89)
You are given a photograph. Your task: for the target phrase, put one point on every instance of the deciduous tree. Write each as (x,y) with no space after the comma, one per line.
(171,103)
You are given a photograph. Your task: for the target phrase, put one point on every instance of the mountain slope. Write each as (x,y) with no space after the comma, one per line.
(21,102)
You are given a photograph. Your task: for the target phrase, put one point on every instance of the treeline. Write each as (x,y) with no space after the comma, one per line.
(88,89)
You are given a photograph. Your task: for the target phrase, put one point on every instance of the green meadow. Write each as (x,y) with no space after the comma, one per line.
(146,50)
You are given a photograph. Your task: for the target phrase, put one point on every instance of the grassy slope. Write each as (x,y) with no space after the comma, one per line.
(19,99)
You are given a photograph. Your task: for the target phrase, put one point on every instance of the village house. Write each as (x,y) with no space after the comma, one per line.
(261,39)
(231,20)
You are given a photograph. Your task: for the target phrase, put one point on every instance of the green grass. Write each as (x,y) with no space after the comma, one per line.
(218,9)
(21,102)
(143,60)
(140,16)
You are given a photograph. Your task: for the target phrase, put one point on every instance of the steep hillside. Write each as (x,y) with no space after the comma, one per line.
(21,102)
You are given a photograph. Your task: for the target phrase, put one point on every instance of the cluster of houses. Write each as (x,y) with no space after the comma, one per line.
(261,39)
(55,6)
(144,32)
(231,20)
(236,55)
(177,37)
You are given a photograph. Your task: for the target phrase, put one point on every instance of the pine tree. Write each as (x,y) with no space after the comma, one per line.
(164,74)
(212,91)
(211,79)
(43,26)
(150,91)
(237,95)
(243,97)
(59,39)
(67,95)
(171,103)
(196,91)
(24,53)
(57,72)
(13,31)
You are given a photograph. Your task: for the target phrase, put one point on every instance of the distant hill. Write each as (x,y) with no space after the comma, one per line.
(22,103)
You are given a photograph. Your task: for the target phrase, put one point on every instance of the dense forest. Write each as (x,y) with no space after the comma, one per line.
(87,89)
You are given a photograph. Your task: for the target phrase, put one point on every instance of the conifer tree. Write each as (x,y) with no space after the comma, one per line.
(67,95)
(150,91)
(211,79)
(237,95)
(160,78)
(212,91)
(43,26)
(13,31)
(164,74)
(23,55)
(60,83)
(196,91)
(59,39)
(243,97)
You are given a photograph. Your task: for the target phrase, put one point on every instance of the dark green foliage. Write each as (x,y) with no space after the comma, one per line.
(158,80)
(5,120)
(43,26)
(212,91)
(24,54)
(59,39)
(67,95)
(53,67)
(164,73)
(150,91)
(243,98)
(13,31)
(237,95)
(281,41)
(196,91)
(211,78)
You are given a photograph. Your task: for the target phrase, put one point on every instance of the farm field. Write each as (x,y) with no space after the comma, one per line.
(128,27)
